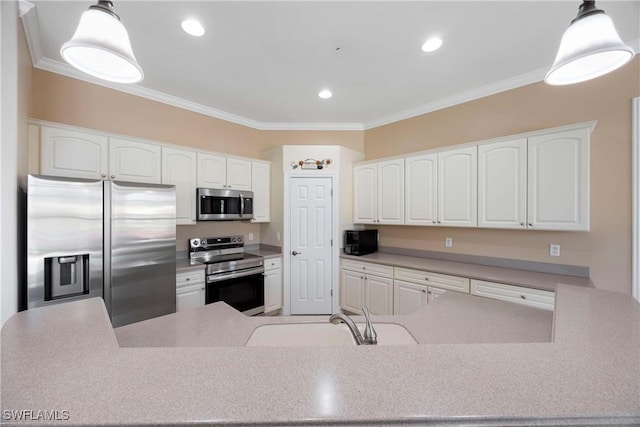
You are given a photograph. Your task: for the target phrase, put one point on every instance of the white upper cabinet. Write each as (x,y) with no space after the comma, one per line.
(223,172)
(558,196)
(391,192)
(134,161)
(502,184)
(365,184)
(77,154)
(421,183)
(261,187)
(379,193)
(71,153)
(212,171)
(179,169)
(457,187)
(238,174)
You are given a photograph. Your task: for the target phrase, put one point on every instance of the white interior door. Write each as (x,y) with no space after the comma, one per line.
(310,245)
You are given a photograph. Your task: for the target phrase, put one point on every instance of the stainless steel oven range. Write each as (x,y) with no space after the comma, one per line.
(232,275)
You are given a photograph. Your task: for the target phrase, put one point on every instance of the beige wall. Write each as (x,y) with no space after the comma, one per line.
(606,249)
(61,99)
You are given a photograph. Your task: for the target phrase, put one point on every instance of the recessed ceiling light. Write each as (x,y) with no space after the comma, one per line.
(192,27)
(432,44)
(324,94)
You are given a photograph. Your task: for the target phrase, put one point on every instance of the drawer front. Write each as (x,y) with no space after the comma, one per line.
(189,278)
(516,294)
(368,267)
(272,263)
(443,281)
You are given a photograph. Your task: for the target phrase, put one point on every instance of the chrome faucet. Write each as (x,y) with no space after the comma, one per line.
(370,336)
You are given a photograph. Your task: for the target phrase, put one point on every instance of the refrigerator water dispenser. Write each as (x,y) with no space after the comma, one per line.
(66,276)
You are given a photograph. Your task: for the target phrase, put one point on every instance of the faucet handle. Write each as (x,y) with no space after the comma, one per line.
(370,335)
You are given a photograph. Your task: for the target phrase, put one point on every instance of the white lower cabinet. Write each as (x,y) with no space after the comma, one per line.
(516,294)
(408,297)
(366,284)
(272,284)
(413,289)
(190,290)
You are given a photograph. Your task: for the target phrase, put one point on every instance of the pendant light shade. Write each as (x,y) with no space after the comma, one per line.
(590,48)
(101,47)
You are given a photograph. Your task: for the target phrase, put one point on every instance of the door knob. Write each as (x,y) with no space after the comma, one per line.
(294,253)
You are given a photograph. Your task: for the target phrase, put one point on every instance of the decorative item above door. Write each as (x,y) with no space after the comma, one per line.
(311,164)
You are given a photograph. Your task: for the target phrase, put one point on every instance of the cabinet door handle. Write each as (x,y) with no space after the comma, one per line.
(426,278)
(113,176)
(439,222)
(294,253)
(104,175)
(188,279)
(522,224)
(424,291)
(530,225)
(523,297)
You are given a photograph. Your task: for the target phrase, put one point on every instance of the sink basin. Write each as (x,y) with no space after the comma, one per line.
(323,334)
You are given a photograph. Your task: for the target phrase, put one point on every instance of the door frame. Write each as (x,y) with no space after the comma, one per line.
(286,248)
(635,149)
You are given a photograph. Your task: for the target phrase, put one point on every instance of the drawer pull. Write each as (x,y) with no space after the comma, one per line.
(424,290)
(523,297)
(426,278)
(188,278)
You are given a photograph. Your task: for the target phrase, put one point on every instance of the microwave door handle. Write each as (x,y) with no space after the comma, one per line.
(241,205)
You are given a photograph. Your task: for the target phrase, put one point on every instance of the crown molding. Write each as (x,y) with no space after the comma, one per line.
(29,17)
(461,98)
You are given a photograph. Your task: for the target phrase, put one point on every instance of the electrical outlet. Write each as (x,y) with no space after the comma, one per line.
(554,250)
(278,236)
(250,236)
(448,242)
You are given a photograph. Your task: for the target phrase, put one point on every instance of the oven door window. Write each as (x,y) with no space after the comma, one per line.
(242,293)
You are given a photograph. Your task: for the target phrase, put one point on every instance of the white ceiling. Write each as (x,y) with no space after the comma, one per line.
(262,63)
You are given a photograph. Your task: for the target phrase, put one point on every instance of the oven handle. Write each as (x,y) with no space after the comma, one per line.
(241,205)
(235,275)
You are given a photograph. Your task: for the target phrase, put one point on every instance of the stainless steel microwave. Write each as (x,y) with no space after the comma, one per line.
(223,205)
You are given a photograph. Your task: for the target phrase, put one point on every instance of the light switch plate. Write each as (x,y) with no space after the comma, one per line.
(554,250)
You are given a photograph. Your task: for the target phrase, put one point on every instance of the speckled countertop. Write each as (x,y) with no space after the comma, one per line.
(531,279)
(66,357)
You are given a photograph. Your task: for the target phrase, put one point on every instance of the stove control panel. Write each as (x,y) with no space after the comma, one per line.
(215,243)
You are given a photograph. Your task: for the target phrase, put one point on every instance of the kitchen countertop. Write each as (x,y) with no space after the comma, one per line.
(66,357)
(531,279)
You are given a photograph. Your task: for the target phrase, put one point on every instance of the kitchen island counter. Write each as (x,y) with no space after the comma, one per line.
(66,358)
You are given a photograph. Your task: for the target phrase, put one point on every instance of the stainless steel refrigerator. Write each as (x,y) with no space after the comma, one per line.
(89,238)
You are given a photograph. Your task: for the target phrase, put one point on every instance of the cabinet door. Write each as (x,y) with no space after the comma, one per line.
(408,297)
(272,290)
(365,184)
(238,174)
(73,154)
(391,192)
(502,184)
(179,169)
(212,171)
(421,181)
(433,293)
(457,187)
(134,161)
(352,291)
(379,295)
(189,297)
(559,181)
(261,187)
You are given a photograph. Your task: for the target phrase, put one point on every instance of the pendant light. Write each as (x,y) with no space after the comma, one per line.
(590,48)
(101,47)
